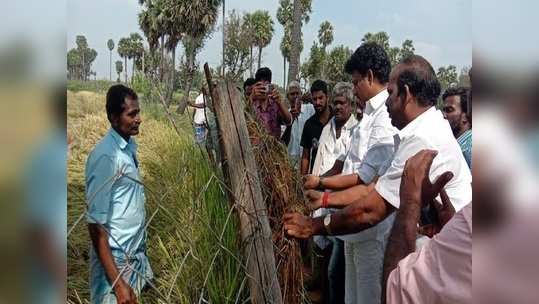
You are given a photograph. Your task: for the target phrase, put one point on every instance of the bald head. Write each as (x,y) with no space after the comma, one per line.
(417,73)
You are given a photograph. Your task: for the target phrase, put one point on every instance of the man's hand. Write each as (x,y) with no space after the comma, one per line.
(311,181)
(274,95)
(259,89)
(415,183)
(314,199)
(124,293)
(298,226)
(445,210)
(294,112)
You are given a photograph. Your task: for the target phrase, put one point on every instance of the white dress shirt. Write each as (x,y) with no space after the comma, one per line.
(294,147)
(329,149)
(372,150)
(370,155)
(428,131)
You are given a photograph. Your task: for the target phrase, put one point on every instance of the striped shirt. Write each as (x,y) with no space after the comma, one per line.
(465,143)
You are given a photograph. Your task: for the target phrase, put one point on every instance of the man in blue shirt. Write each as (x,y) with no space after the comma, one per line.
(119,267)
(455,110)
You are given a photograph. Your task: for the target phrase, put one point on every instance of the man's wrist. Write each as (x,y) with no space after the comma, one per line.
(410,197)
(317,226)
(320,182)
(120,284)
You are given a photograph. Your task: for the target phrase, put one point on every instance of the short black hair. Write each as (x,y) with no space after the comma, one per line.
(116,96)
(370,56)
(420,78)
(248,82)
(319,85)
(464,94)
(263,74)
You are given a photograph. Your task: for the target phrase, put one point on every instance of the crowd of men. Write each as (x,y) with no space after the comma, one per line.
(384,170)
(386,174)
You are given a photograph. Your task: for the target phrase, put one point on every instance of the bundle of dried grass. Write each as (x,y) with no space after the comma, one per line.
(282,191)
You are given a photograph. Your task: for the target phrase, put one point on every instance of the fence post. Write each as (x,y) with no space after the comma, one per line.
(243,180)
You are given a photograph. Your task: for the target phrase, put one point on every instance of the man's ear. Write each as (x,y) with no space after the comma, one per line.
(464,118)
(114,120)
(370,76)
(406,95)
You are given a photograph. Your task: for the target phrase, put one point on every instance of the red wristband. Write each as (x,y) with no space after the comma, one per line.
(325,197)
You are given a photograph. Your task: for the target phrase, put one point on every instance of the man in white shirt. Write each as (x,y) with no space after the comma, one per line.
(199,118)
(413,90)
(370,155)
(334,141)
(301,111)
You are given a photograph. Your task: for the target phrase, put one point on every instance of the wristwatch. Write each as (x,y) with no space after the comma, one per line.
(327,223)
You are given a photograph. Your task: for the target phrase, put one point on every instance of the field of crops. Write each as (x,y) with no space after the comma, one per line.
(193,239)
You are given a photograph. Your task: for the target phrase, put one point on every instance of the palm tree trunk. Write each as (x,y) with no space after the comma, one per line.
(170,91)
(133,70)
(259,56)
(143,64)
(83,76)
(293,67)
(190,72)
(251,63)
(224,23)
(125,64)
(110,65)
(162,58)
(284,72)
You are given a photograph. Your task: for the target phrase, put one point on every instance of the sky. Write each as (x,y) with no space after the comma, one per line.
(441,30)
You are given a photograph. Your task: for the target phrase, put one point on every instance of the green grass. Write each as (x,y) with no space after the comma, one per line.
(193,237)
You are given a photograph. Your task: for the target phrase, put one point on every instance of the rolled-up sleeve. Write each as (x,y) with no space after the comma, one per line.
(99,180)
(376,162)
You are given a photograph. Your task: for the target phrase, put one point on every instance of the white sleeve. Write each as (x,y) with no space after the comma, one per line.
(376,162)
(388,185)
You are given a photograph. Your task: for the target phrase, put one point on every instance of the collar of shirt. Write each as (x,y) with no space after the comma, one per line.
(376,102)
(412,126)
(122,143)
(349,125)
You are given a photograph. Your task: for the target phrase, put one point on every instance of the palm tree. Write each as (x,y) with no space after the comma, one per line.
(325,37)
(194,19)
(285,51)
(295,51)
(119,68)
(263,31)
(82,45)
(110,45)
(325,34)
(123,51)
(249,32)
(152,21)
(136,49)
(285,18)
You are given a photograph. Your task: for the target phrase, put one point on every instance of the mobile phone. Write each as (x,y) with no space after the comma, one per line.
(269,88)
